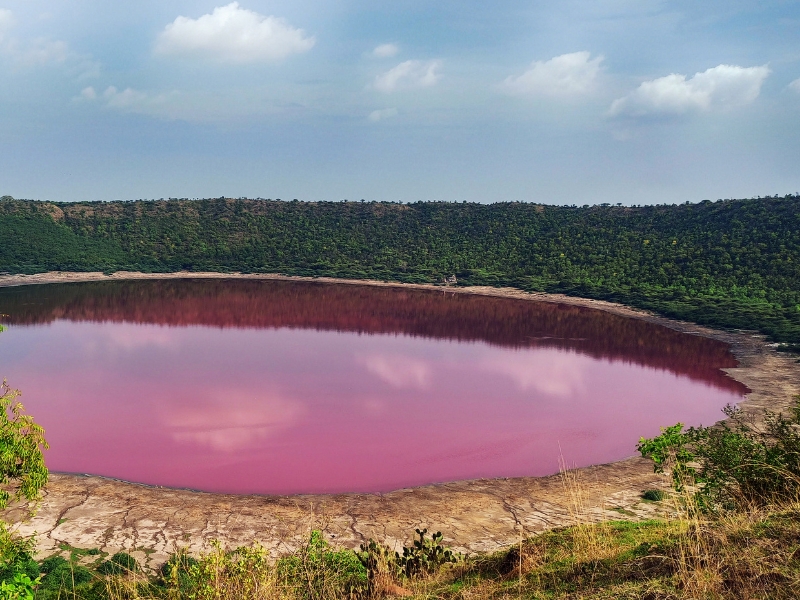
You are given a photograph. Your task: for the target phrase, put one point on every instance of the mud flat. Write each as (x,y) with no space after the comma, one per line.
(480,515)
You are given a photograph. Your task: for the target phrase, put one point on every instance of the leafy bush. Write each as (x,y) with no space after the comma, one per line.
(16,557)
(176,572)
(50,564)
(66,576)
(121,563)
(319,571)
(735,463)
(20,587)
(654,495)
(22,467)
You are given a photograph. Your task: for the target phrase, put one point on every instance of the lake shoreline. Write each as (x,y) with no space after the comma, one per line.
(477,515)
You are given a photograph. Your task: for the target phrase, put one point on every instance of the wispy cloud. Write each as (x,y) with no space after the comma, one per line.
(795,85)
(721,86)
(381,114)
(6,21)
(232,34)
(385,51)
(566,75)
(411,74)
(130,100)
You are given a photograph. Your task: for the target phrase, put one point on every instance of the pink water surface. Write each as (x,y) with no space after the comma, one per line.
(294,410)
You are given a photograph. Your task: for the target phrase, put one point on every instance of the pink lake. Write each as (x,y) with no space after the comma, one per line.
(277,387)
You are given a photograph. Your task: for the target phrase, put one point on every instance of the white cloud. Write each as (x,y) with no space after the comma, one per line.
(383,113)
(566,75)
(232,34)
(385,51)
(721,86)
(88,93)
(6,21)
(135,101)
(43,51)
(408,75)
(795,85)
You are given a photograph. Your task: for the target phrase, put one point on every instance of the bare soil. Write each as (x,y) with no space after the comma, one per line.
(480,515)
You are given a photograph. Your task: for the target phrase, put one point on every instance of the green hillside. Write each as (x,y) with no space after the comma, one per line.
(726,264)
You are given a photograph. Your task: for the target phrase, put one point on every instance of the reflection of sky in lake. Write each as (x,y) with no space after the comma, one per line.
(280,410)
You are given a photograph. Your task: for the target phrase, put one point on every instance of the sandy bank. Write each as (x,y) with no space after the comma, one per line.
(88,512)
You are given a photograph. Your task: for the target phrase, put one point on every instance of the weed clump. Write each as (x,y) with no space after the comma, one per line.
(121,563)
(654,495)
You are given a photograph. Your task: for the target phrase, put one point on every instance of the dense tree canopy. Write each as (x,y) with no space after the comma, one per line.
(732,263)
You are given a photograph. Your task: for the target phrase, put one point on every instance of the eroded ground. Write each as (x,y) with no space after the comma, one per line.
(94,512)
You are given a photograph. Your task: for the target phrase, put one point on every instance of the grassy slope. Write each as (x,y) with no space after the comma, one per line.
(725,264)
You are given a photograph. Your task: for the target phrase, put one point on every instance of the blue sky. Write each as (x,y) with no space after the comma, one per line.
(579,101)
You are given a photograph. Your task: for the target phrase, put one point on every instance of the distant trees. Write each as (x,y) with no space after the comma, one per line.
(726,263)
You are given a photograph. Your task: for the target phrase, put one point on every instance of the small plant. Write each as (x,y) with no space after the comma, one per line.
(121,563)
(654,495)
(425,556)
(321,571)
(21,587)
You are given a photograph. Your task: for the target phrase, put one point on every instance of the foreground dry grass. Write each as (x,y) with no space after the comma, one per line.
(748,554)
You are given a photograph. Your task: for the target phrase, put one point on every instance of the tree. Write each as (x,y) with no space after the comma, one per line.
(22,469)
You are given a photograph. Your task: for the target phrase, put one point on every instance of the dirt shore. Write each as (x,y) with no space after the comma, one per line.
(95,512)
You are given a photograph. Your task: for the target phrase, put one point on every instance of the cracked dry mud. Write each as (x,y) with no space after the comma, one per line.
(480,515)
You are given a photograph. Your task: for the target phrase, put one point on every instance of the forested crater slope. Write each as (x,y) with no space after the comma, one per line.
(733,263)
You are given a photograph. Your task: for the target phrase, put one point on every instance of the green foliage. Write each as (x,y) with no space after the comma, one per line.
(176,573)
(423,557)
(20,587)
(735,463)
(654,495)
(319,571)
(121,563)
(22,441)
(66,576)
(19,573)
(724,264)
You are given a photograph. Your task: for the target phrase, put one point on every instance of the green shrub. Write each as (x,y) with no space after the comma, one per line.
(120,564)
(52,563)
(736,463)
(16,556)
(66,576)
(317,570)
(654,495)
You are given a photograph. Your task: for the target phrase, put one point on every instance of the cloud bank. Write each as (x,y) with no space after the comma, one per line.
(410,74)
(721,86)
(234,35)
(566,75)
